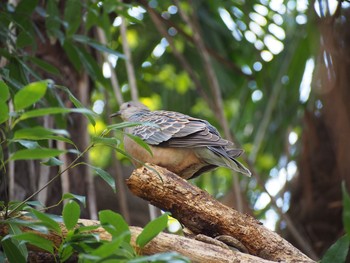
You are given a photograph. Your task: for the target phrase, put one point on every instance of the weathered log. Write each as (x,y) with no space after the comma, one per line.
(202,214)
(195,250)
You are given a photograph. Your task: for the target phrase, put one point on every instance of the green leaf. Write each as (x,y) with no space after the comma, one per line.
(152,229)
(37,132)
(77,104)
(96,45)
(338,251)
(346,209)
(105,176)
(12,251)
(110,247)
(45,66)
(47,221)
(47,111)
(140,142)
(35,154)
(72,54)
(4,111)
(80,198)
(52,162)
(30,94)
(52,22)
(71,214)
(14,230)
(72,15)
(114,224)
(4,91)
(106,141)
(36,240)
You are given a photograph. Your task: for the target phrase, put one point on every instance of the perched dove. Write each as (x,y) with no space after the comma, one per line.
(182,144)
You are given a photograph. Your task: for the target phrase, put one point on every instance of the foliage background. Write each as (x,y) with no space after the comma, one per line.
(271,75)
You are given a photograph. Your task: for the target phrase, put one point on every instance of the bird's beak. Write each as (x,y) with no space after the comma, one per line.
(118,113)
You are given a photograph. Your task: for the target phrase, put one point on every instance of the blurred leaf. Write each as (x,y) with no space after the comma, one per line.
(52,21)
(4,91)
(109,248)
(96,45)
(105,176)
(14,230)
(78,104)
(45,65)
(52,162)
(338,251)
(37,132)
(114,224)
(30,94)
(346,209)
(26,7)
(48,222)
(71,214)
(36,241)
(72,15)
(35,154)
(4,111)
(47,111)
(152,229)
(72,54)
(80,198)
(12,251)
(106,141)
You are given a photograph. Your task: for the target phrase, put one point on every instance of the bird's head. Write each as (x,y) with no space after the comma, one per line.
(128,109)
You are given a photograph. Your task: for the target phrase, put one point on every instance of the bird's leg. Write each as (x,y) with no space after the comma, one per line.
(223,241)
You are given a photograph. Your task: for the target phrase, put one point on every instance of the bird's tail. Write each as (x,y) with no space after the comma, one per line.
(226,157)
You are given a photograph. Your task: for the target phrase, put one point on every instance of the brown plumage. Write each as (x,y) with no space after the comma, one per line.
(184,145)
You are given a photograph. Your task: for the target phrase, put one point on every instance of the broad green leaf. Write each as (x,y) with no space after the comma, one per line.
(110,247)
(15,230)
(28,144)
(152,229)
(4,91)
(30,94)
(52,162)
(45,66)
(91,65)
(26,7)
(105,176)
(77,104)
(47,111)
(12,250)
(48,221)
(71,214)
(106,141)
(140,142)
(36,240)
(338,251)
(35,154)
(98,46)
(72,15)
(4,111)
(114,224)
(346,209)
(80,198)
(37,132)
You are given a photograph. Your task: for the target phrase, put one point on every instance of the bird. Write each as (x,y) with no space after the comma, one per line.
(182,144)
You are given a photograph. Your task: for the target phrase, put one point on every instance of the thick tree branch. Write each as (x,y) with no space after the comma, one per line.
(202,214)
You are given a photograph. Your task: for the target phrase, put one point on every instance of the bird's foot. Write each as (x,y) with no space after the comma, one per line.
(223,241)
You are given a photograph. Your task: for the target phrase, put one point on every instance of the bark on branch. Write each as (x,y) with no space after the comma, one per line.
(202,214)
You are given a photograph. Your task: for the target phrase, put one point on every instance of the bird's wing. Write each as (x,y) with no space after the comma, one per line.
(173,129)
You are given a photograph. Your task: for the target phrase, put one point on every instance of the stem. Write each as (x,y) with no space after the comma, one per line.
(53,179)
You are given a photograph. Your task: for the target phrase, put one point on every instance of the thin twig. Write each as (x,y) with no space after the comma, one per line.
(162,30)
(114,79)
(128,61)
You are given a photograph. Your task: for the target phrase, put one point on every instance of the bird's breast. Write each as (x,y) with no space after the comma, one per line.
(181,161)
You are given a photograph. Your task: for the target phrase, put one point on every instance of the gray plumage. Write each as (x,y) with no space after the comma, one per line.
(179,131)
